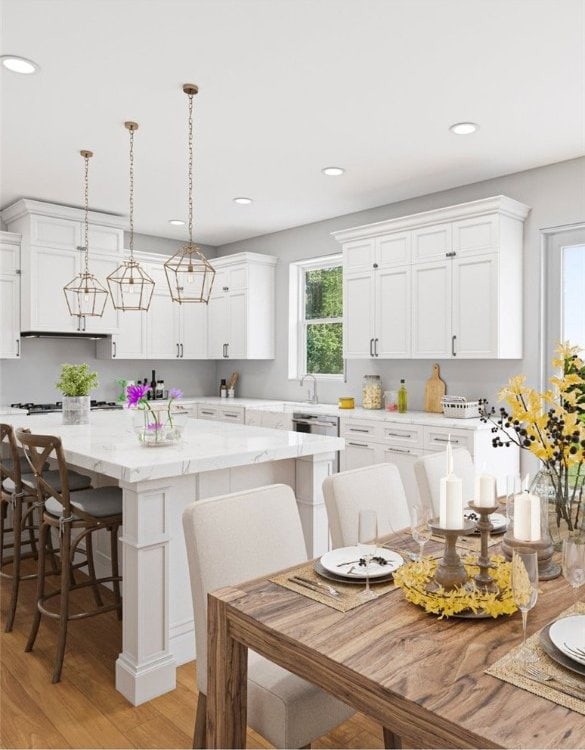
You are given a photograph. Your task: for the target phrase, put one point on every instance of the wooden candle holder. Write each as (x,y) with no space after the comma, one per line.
(483,579)
(450,572)
(547,567)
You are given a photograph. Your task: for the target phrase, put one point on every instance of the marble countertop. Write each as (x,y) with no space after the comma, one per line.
(108,445)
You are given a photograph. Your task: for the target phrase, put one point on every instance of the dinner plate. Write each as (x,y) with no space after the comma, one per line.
(568,634)
(498,521)
(341,561)
(336,578)
(551,650)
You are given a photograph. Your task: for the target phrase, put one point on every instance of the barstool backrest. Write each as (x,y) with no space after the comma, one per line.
(9,458)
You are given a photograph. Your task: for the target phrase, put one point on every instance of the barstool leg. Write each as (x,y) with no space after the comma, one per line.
(45,530)
(16,549)
(115,573)
(29,520)
(91,569)
(64,611)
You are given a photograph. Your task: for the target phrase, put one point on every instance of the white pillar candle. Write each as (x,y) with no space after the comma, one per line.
(526,517)
(451,502)
(485,490)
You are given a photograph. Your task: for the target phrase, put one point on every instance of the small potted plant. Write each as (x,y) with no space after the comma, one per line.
(75,384)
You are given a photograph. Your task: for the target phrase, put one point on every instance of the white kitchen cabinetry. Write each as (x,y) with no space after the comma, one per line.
(226,413)
(51,237)
(9,295)
(373,441)
(454,273)
(240,315)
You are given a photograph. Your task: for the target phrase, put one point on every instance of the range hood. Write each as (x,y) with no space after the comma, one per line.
(62,335)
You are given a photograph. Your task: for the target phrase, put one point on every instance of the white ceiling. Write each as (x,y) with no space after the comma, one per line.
(286,87)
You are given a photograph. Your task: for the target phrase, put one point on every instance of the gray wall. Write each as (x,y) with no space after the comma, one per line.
(556,194)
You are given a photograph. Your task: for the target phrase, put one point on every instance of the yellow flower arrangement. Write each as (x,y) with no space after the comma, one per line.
(413,578)
(551,425)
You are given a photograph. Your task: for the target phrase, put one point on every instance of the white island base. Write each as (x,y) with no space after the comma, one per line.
(215,458)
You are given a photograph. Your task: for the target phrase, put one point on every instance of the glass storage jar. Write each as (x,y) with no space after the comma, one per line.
(372,392)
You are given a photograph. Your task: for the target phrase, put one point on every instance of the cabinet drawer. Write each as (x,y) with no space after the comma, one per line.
(360,430)
(232,415)
(207,412)
(410,436)
(436,438)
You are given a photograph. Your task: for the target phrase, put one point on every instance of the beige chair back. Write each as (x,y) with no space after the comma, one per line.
(378,487)
(235,538)
(431,468)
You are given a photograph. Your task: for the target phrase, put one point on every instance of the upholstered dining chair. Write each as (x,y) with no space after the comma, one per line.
(18,492)
(84,512)
(230,539)
(378,487)
(429,470)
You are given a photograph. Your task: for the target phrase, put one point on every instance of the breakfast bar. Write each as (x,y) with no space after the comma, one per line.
(158,483)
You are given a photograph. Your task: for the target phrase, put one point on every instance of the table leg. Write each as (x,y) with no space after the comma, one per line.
(227,679)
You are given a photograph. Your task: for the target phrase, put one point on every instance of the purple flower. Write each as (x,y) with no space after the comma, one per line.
(175,393)
(136,394)
(154,426)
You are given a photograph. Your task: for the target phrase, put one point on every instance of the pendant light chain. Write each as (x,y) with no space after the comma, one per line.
(131,130)
(190,169)
(86,209)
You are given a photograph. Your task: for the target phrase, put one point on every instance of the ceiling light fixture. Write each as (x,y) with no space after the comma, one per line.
(130,286)
(464,128)
(333,171)
(85,295)
(243,201)
(177,222)
(17,64)
(189,274)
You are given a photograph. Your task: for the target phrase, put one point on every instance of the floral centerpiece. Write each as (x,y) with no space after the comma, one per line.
(157,423)
(551,425)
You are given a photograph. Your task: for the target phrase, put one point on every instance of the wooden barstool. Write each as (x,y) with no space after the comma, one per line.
(88,511)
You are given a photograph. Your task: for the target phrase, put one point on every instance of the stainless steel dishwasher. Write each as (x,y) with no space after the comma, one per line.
(317,424)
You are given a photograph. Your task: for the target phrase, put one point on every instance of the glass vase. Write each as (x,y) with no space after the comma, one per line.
(564,499)
(158,426)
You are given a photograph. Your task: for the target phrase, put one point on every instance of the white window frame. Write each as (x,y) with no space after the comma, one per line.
(297,325)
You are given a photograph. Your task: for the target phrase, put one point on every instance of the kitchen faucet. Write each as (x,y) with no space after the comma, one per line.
(311,399)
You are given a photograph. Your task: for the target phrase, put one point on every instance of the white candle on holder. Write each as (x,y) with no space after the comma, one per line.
(526,515)
(450,496)
(485,490)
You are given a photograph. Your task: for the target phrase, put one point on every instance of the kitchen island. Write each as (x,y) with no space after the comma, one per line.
(214,458)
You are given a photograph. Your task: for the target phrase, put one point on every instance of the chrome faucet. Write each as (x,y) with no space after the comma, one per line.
(312,399)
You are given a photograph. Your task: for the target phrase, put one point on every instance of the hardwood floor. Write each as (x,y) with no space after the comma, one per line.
(85,710)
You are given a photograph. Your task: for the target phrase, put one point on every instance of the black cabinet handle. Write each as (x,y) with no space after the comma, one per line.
(227,351)
(376,348)
(177,354)
(371,347)
(114,349)
(18,347)
(181,351)
(453,352)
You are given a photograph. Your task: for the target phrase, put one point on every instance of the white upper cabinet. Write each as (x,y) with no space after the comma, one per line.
(444,284)
(240,313)
(51,237)
(9,295)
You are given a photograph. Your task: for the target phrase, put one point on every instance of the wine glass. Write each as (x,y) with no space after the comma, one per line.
(525,590)
(367,542)
(513,488)
(573,563)
(419,526)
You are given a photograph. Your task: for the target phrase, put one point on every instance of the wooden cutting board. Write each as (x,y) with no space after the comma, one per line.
(435,389)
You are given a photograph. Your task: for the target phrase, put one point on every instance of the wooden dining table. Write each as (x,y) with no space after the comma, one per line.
(420,676)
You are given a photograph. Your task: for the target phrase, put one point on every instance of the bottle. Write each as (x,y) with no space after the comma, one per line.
(160,387)
(402,398)
(152,391)
(223,388)
(148,393)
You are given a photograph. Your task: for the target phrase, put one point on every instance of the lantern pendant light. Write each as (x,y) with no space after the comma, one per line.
(85,295)
(130,286)
(189,274)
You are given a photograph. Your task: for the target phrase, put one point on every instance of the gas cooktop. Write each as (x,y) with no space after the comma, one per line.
(58,406)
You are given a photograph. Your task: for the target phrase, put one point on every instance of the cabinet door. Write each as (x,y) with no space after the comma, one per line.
(51,269)
(359,255)
(131,340)
(217,327)
(193,331)
(393,312)
(358,315)
(393,249)
(9,316)
(237,325)
(163,326)
(358,454)
(431,310)
(475,306)
(433,241)
(477,235)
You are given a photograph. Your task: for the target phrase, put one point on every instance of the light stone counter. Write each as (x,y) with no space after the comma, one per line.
(215,458)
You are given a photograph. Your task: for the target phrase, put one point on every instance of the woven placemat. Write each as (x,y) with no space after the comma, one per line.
(509,669)
(348,592)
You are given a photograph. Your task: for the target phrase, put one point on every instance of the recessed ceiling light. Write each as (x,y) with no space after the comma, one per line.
(333,171)
(19,64)
(176,222)
(243,201)
(464,128)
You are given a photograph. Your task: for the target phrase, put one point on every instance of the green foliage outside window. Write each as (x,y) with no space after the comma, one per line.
(324,300)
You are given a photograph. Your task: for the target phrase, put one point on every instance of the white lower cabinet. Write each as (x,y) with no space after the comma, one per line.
(9,295)
(234,414)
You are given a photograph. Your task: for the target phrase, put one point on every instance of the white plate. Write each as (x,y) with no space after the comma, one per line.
(570,631)
(333,561)
(497,519)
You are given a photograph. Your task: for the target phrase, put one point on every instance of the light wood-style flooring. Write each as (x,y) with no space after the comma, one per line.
(85,710)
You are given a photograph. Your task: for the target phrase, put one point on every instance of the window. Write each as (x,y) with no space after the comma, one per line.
(316,318)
